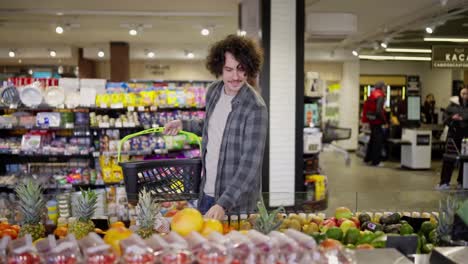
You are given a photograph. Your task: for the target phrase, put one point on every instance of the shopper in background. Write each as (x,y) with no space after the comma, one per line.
(456,118)
(374,114)
(234,130)
(428,110)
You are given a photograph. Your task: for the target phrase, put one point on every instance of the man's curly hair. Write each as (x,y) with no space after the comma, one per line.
(245,50)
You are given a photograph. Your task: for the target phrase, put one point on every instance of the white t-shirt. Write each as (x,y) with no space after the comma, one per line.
(216,126)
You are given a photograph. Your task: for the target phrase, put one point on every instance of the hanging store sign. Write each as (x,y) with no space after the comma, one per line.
(449,57)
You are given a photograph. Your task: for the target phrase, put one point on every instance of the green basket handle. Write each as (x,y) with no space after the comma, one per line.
(150,131)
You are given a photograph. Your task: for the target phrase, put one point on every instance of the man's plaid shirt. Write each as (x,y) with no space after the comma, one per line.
(238,180)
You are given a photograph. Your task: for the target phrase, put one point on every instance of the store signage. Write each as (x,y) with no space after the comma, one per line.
(450,57)
(158,69)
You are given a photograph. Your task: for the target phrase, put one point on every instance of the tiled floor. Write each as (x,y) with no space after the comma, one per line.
(389,188)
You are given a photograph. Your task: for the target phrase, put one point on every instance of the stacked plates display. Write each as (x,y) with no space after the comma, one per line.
(54,96)
(10,96)
(31,96)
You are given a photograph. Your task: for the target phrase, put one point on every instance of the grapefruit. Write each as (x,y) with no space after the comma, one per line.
(186,221)
(211,225)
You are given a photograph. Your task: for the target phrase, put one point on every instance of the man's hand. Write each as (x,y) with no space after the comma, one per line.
(215,212)
(457,117)
(172,128)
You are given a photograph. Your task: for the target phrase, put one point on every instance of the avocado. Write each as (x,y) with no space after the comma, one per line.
(395,229)
(433,236)
(390,219)
(364,218)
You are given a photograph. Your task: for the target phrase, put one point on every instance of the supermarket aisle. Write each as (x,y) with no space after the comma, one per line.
(362,187)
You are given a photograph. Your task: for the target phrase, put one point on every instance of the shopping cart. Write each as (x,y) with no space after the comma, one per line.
(333,133)
(166,179)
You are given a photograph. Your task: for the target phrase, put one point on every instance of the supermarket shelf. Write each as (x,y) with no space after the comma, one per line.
(312,99)
(26,157)
(99,109)
(46,128)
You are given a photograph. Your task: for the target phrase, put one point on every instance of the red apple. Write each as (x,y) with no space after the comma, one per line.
(327,223)
(356,221)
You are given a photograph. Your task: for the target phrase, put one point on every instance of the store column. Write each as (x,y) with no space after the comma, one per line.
(119,62)
(283,63)
(349,103)
(86,68)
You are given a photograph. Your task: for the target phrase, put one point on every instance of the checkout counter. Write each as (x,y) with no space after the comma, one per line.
(416,148)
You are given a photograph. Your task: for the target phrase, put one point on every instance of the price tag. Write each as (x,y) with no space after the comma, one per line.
(131,108)
(117,106)
(118,124)
(96,154)
(141,108)
(153,108)
(103,105)
(69,125)
(104,125)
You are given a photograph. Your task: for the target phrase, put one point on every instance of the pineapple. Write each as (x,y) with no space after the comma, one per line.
(147,210)
(267,222)
(85,207)
(448,208)
(32,206)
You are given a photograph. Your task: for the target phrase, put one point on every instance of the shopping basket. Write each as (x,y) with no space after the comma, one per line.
(166,179)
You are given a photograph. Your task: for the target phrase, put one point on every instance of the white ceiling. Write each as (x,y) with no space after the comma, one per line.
(173,26)
(169,27)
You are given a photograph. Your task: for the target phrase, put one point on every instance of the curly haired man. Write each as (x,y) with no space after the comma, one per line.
(233,132)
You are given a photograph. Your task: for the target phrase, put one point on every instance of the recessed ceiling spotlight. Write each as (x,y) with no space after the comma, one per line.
(355,53)
(205,32)
(241,33)
(189,54)
(429,29)
(59,30)
(133,32)
(100,54)
(11,54)
(20,61)
(150,54)
(384,44)
(52,53)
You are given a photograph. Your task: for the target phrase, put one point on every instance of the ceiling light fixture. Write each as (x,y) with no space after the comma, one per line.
(405,58)
(150,54)
(133,32)
(384,44)
(241,33)
(446,39)
(52,53)
(100,54)
(429,29)
(408,50)
(20,61)
(355,53)
(189,54)
(205,32)
(11,54)
(59,30)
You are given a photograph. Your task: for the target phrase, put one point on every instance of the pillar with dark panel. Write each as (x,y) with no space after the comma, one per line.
(119,62)
(86,68)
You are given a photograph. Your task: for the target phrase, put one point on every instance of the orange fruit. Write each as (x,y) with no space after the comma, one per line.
(186,221)
(211,225)
(10,232)
(4,225)
(16,227)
